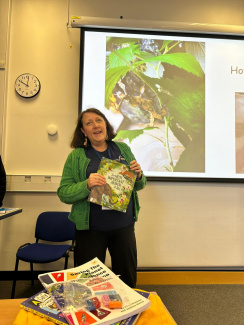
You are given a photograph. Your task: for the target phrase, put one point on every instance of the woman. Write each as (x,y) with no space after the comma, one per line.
(98,229)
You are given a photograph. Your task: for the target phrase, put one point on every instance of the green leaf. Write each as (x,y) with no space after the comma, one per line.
(192,158)
(111,41)
(165,45)
(183,61)
(151,69)
(185,102)
(144,55)
(123,56)
(111,77)
(131,134)
(197,49)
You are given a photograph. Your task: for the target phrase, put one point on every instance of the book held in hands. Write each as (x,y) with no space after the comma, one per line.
(116,193)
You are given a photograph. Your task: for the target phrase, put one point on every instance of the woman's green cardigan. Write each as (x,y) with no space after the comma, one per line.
(73,186)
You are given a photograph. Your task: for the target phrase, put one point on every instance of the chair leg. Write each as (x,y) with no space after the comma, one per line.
(66,261)
(15,278)
(32,276)
(74,257)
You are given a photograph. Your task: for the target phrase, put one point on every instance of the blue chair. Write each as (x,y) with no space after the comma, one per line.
(53,227)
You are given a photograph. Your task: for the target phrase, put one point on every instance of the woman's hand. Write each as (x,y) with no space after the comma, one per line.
(95,179)
(135,166)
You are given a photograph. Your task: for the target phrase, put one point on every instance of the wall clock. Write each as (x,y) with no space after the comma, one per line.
(27,85)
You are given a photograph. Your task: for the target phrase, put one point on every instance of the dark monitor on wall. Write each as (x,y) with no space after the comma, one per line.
(177,99)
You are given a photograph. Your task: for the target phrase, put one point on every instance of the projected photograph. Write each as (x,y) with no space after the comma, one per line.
(239,132)
(176,99)
(156,89)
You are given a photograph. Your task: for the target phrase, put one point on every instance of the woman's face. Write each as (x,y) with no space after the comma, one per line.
(94,127)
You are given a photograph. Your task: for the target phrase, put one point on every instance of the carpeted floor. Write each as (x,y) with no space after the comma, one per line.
(203,304)
(188,304)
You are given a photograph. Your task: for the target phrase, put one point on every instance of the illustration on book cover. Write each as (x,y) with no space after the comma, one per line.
(116,193)
(92,294)
(43,305)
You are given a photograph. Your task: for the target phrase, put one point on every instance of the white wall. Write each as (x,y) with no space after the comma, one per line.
(4,33)
(207,12)
(181,224)
(40,43)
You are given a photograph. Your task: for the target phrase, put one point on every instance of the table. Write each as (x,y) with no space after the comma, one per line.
(10,213)
(9,309)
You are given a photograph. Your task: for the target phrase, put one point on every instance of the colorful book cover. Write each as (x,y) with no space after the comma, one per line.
(93,294)
(133,319)
(7,210)
(42,304)
(116,193)
(129,321)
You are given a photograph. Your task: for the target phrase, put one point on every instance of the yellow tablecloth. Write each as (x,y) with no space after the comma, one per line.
(156,314)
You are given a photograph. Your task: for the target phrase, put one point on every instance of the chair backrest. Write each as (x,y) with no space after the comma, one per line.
(54,226)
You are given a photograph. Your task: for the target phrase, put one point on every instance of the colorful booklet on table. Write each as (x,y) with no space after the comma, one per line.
(116,193)
(42,304)
(133,319)
(7,210)
(93,294)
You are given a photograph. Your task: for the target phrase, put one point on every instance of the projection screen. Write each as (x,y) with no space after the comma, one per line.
(176,99)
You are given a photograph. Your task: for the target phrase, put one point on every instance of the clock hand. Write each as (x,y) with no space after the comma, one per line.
(24,83)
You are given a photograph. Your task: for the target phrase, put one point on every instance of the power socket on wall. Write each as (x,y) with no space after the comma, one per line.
(33,183)
(2,64)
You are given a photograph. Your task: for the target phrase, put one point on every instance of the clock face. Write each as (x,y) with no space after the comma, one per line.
(27,85)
